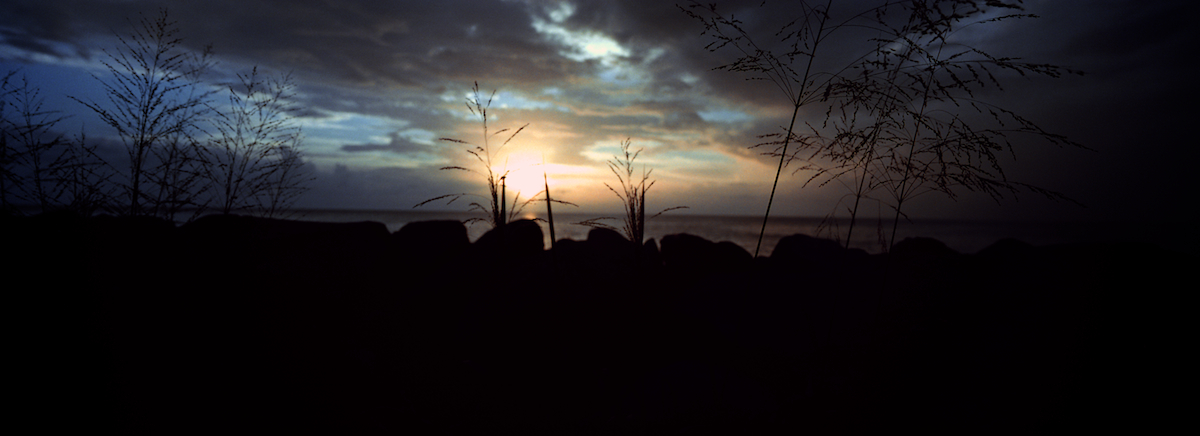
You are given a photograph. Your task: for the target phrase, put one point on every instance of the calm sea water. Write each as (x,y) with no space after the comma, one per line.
(961,235)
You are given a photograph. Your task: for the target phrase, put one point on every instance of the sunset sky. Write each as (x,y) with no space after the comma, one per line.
(380,81)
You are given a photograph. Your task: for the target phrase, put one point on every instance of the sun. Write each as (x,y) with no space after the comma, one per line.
(524,174)
(529,169)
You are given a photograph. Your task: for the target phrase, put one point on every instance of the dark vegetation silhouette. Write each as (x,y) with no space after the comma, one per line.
(155,104)
(187,154)
(549,207)
(632,194)
(256,156)
(248,322)
(277,325)
(903,112)
(42,169)
(27,141)
(496,208)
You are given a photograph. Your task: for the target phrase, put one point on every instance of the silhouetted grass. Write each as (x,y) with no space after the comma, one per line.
(257,165)
(892,121)
(154,103)
(28,142)
(549,209)
(183,153)
(39,166)
(497,209)
(632,194)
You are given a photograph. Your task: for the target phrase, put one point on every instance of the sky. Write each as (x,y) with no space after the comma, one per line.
(379,82)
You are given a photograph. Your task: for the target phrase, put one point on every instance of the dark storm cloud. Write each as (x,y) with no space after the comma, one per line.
(37,22)
(401,65)
(407,43)
(26,42)
(387,187)
(412,43)
(650,25)
(673,115)
(1120,29)
(397,145)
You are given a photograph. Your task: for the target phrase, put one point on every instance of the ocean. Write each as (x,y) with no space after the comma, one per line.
(964,236)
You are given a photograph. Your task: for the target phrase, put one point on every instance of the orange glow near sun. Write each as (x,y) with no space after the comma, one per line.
(528,175)
(524,170)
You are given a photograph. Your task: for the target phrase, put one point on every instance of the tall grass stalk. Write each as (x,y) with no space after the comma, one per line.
(632,194)
(931,133)
(497,210)
(36,147)
(763,64)
(151,99)
(549,210)
(910,95)
(256,150)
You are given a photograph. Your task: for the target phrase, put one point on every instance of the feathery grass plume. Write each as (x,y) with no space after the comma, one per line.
(40,167)
(85,178)
(152,97)
(36,153)
(632,195)
(8,156)
(803,36)
(256,156)
(894,119)
(178,181)
(929,130)
(497,211)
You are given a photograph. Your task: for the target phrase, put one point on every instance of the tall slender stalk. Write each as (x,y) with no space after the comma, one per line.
(904,79)
(632,195)
(908,164)
(549,210)
(496,211)
(777,70)
(502,219)
(858,194)
(775,184)
(148,100)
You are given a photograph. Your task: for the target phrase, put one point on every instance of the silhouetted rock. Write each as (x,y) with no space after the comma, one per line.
(54,244)
(604,238)
(600,236)
(733,253)
(249,228)
(227,312)
(569,251)
(132,227)
(683,250)
(923,248)
(276,253)
(926,264)
(609,246)
(1007,248)
(518,239)
(651,257)
(687,252)
(59,220)
(807,249)
(131,239)
(50,229)
(437,240)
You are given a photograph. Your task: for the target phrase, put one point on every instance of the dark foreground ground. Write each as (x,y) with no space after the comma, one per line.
(250,325)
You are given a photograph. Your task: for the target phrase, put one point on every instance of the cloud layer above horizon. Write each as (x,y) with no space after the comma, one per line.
(381,82)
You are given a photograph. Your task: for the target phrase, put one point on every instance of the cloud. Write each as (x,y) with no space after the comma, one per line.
(343,186)
(380,81)
(397,145)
